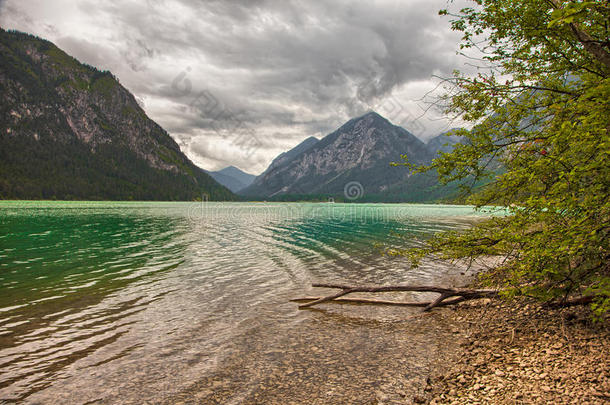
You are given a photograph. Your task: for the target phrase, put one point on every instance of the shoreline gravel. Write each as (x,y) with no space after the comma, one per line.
(519,352)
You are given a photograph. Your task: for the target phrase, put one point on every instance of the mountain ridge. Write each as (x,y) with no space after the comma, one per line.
(360,151)
(285,157)
(233,178)
(444,142)
(71,131)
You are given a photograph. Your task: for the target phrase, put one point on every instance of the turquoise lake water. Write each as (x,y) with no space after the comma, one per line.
(115,302)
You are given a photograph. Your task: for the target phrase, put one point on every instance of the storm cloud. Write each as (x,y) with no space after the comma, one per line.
(238,82)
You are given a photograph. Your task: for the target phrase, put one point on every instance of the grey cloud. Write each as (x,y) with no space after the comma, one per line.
(282,70)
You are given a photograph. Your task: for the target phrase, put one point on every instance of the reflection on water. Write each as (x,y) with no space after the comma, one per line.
(115,302)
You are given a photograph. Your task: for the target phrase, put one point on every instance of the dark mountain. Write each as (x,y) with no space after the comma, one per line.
(360,151)
(286,157)
(443,142)
(233,178)
(70,131)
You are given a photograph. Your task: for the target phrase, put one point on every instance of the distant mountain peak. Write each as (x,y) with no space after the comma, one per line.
(372,114)
(233,178)
(234,171)
(310,140)
(361,150)
(285,157)
(444,142)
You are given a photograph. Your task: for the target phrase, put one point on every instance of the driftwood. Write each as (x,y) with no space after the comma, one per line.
(457,295)
(380,302)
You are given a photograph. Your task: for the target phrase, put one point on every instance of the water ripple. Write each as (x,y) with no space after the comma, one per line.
(115,302)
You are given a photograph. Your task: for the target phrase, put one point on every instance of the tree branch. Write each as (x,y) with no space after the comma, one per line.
(462,294)
(589,43)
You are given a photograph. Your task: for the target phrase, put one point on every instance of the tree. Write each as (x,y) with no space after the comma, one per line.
(540,109)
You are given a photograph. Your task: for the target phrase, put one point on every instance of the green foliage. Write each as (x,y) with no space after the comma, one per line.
(103,83)
(61,59)
(67,170)
(131,112)
(171,157)
(540,109)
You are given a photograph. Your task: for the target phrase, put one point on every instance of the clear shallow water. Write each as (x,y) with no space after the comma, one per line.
(165,302)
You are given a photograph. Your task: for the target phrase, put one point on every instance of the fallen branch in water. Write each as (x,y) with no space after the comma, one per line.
(458,295)
(379,302)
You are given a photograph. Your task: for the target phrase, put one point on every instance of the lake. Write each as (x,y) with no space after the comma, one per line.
(163,302)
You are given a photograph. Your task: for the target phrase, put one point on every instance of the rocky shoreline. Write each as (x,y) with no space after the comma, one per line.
(518,352)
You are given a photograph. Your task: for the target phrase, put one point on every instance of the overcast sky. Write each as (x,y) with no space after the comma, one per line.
(238,82)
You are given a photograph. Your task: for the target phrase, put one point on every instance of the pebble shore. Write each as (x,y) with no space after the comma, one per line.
(518,352)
